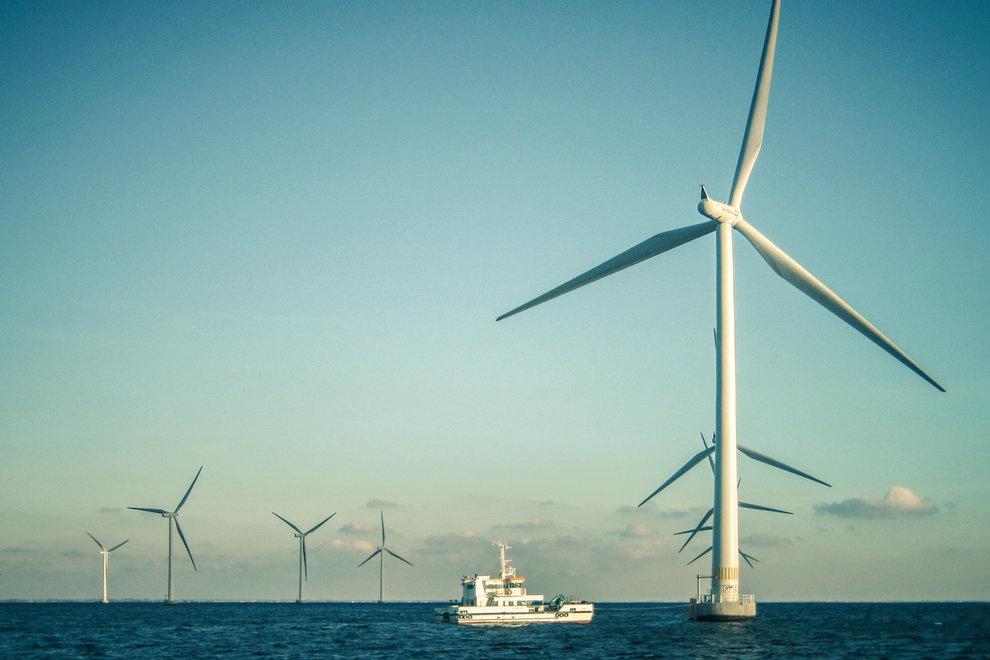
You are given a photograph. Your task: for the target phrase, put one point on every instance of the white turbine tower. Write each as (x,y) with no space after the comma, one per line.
(173,517)
(380,552)
(724,601)
(301,535)
(106,562)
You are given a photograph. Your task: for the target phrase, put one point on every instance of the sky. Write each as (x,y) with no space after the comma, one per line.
(272,239)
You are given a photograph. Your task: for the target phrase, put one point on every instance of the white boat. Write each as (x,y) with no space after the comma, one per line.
(503,600)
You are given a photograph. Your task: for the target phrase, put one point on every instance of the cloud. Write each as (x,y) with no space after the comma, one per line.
(663,514)
(455,547)
(453,537)
(535,522)
(24,548)
(898,502)
(350,546)
(380,504)
(637,531)
(357,528)
(765,540)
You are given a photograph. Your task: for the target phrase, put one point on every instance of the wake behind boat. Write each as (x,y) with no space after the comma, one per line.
(503,600)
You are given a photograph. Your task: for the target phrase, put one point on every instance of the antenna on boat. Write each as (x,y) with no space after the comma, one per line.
(505,571)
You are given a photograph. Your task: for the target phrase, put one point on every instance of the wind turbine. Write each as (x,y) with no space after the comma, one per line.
(106,562)
(173,517)
(380,552)
(707,453)
(301,535)
(724,601)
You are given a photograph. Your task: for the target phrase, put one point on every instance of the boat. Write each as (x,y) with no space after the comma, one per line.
(503,600)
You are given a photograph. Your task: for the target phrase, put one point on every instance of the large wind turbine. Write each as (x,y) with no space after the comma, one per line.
(173,516)
(724,601)
(380,552)
(301,535)
(106,562)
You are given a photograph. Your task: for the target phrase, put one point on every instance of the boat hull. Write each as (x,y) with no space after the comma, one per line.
(466,615)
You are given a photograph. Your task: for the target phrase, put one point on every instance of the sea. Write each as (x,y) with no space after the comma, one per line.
(407,630)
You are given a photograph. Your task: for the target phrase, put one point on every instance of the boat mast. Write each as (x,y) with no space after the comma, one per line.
(505,571)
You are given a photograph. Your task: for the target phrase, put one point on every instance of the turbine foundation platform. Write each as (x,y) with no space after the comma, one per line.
(725,610)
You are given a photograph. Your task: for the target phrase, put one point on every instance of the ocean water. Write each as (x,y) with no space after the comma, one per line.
(400,630)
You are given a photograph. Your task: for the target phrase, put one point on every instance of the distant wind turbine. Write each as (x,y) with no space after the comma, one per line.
(724,601)
(173,517)
(380,552)
(301,535)
(707,453)
(106,562)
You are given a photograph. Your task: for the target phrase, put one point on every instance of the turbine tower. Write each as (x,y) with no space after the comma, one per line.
(380,552)
(173,517)
(724,602)
(106,562)
(301,535)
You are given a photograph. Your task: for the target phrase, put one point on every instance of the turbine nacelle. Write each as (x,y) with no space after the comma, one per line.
(717,211)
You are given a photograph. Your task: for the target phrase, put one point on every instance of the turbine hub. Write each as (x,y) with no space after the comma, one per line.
(717,211)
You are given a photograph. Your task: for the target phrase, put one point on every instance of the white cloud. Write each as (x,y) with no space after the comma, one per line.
(765,540)
(535,522)
(357,528)
(350,546)
(898,501)
(637,530)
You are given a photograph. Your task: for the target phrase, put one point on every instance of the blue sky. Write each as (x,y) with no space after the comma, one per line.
(272,240)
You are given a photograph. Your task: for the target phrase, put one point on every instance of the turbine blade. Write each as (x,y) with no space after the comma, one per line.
(302,542)
(324,520)
(753,138)
(382,514)
(183,501)
(117,546)
(711,463)
(757,456)
(697,458)
(700,556)
(748,558)
(373,555)
(695,530)
(182,536)
(287,522)
(794,273)
(699,528)
(757,507)
(141,508)
(651,247)
(98,543)
(397,556)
